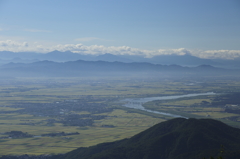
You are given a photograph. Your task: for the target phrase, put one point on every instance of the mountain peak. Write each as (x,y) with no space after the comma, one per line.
(177,138)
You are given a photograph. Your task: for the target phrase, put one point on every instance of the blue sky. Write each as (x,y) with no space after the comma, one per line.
(204,28)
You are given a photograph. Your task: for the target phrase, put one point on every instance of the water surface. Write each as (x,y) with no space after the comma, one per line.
(136,103)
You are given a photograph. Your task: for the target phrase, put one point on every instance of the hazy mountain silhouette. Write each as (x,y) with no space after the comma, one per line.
(229,63)
(102,68)
(177,138)
(8,55)
(112,58)
(57,56)
(185,60)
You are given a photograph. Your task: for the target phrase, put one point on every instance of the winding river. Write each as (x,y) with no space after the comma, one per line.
(136,103)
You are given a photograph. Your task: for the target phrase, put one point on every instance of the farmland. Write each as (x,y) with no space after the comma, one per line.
(83,112)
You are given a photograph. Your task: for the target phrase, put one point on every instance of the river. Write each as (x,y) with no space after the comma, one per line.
(136,103)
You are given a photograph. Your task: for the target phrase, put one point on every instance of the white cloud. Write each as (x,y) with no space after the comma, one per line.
(221,54)
(123,50)
(100,49)
(12,44)
(16,46)
(180,51)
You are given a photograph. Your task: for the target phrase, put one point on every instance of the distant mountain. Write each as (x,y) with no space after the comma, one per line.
(113,58)
(57,56)
(17,60)
(184,60)
(229,63)
(8,55)
(82,68)
(177,138)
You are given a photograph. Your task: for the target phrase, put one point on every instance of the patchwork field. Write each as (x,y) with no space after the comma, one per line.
(52,110)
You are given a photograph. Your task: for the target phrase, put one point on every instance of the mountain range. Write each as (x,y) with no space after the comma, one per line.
(57,56)
(82,68)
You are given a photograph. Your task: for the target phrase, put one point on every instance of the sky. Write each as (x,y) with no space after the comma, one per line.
(203,28)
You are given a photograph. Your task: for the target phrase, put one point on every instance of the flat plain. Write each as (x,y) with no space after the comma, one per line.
(62,114)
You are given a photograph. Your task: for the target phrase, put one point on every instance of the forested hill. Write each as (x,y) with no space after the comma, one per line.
(177,138)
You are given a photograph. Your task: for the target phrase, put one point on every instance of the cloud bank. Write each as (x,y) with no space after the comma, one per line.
(15,46)
(12,45)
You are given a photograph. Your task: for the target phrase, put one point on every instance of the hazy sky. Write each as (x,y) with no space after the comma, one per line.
(205,28)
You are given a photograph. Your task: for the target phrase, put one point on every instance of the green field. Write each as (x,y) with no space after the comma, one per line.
(112,122)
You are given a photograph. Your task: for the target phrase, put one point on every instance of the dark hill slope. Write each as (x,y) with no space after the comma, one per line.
(177,138)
